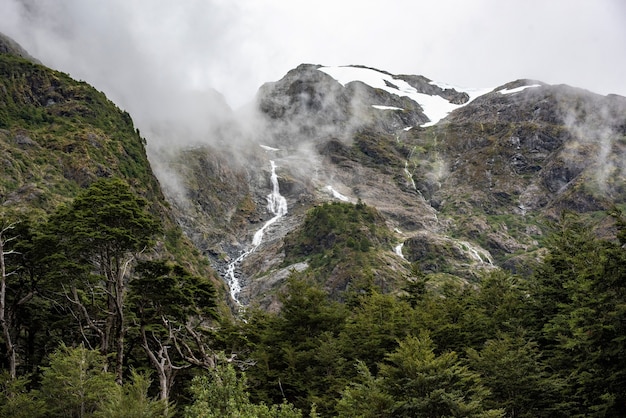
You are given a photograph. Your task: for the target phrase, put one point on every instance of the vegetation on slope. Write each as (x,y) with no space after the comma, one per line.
(58,135)
(344,245)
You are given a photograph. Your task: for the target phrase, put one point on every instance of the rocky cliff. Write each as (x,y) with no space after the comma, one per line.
(385,176)
(465,180)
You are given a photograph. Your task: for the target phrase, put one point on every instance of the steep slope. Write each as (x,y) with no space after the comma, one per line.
(465,180)
(58,135)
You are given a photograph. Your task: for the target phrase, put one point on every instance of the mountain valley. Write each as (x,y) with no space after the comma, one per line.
(352,243)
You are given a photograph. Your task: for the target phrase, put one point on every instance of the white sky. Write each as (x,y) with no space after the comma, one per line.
(143,53)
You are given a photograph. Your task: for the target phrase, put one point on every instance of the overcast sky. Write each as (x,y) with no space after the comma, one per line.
(141,52)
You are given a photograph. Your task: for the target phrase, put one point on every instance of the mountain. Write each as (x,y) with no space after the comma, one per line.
(424,175)
(374,218)
(59,135)
(384,176)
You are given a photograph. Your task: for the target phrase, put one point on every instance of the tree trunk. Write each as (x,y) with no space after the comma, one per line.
(161,364)
(6,330)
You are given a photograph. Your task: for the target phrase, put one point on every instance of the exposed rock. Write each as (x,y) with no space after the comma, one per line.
(467,195)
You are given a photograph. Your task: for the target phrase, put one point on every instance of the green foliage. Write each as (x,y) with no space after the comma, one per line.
(222,394)
(75,383)
(416,382)
(341,239)
(365,398)
(375,326)
(15,399)
(298,355)
(512,368)
(132,401)
(336,227)
(165,290)
(577,300)
(103,224)
(58,134)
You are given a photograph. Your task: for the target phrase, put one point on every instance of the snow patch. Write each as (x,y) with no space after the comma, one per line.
(517,89)
(435,107)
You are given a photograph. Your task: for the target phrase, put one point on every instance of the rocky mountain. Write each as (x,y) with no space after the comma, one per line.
(422,176)
(351,175)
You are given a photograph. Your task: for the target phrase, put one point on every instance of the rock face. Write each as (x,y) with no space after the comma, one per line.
(466,190)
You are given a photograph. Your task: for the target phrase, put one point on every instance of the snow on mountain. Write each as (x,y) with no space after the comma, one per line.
(435,107)
(517,89)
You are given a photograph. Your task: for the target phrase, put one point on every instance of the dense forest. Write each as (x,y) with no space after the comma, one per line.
(96,325)
(108,310)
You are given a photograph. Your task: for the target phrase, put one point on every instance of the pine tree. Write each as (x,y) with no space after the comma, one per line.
(75,383)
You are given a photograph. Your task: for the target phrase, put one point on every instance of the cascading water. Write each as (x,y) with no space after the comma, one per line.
(277,206)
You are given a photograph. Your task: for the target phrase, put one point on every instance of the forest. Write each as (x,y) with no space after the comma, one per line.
(96,324)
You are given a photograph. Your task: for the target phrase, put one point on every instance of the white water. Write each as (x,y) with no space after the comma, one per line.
(277,206)
(477,254)
(410,177)
(336,194)
(398,249)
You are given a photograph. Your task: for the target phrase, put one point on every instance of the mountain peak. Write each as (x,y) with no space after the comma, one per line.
(10,47)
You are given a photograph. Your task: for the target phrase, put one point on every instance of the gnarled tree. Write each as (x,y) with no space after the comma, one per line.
(95,240)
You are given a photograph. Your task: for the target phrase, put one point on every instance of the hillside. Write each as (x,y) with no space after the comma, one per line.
(58,136)
(357,243)
(466,180)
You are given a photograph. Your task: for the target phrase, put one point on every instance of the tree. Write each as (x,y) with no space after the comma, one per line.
(375,326)
(93,242)
(132,401)
(21,305)
(9,340)
(414,382)
(296,354)
(578,304)
(222,394)
(511,367)
(16,401)
(171,309)
(75,383)
(366,398)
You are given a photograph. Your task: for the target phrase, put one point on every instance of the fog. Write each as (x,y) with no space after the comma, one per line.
(186,64)
(146,54)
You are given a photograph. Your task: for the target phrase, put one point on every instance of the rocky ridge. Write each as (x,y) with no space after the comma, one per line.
(473,191)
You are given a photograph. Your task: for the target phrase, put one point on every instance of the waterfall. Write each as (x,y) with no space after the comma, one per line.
(398,249)
(277,206)
(474,253)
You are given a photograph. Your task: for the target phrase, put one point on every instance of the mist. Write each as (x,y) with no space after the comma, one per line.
(184,70)
(146,54)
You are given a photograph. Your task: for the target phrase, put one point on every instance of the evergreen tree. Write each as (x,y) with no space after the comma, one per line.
(222,394)
(297,354)
(132,401)
(511,367)
(75,383)
(16,401)
(90,246)
(414,382)
(171,310)
(578,300)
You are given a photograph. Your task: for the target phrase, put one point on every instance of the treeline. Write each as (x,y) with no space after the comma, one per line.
(551,345)
(94,323)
